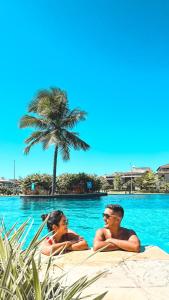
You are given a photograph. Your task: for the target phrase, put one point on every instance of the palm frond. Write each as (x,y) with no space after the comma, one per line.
(30,121)
(35,138)
(43,94)
(34,135)
(75,141)
(73,117)
(65,151)
(34,142)
(52,103)
(48,140)
(32,107)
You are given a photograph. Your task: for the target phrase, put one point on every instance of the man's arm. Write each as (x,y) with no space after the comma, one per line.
(99,242)
(132,244)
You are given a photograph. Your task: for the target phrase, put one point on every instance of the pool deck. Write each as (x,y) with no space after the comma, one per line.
(129,276)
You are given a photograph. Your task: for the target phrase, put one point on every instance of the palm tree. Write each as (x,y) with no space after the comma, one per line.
(53,121)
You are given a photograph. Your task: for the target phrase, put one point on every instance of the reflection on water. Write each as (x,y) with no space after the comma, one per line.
(35,204)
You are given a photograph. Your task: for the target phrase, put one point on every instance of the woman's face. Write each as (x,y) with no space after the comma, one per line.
(63,225)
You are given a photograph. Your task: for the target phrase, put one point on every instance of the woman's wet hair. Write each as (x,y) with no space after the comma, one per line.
(53,218)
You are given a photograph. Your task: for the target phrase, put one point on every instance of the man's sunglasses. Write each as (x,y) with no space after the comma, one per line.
(107,216)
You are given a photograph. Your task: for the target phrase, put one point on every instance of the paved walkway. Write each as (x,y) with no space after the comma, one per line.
(129,276)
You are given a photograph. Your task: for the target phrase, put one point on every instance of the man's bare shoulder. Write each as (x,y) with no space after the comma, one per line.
(101,232)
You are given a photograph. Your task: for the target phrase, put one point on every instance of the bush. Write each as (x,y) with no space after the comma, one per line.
(41,184)
(78,183)
(66,183)
(4,190)
(164,188)
(105,185)
(148,182)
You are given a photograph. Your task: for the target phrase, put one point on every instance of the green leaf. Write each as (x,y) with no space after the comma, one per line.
(100,297)
(19,274)
(36,282)
(33,243)
(3,250)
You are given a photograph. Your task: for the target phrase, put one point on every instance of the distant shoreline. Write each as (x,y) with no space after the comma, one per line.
(9,195)
(80,195)
(134,193)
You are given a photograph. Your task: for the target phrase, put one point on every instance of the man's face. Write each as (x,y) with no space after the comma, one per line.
(111,218)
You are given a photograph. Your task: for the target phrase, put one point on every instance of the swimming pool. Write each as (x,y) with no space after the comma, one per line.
(148,215)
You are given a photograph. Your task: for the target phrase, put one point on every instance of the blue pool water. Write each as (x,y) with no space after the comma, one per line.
(148,215)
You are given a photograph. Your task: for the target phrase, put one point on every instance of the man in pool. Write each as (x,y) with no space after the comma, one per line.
(113,236)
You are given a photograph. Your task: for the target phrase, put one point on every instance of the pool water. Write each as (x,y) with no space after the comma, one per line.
(148,215)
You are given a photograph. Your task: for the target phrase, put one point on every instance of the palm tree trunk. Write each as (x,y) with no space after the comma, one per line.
(54,170)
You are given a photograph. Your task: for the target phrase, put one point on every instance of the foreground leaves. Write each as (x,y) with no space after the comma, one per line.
(20,270)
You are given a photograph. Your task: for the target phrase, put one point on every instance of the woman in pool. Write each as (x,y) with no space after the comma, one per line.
(63,239)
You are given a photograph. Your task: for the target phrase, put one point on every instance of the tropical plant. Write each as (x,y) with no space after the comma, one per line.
(148,182)
(105,185)
(78,183)
(129,185)
(4,190)
(13,189)
(41,184)
(164,187)
(53,120)
(117,182)
(21,270)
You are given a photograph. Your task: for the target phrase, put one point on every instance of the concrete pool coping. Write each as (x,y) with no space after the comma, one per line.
(129,276)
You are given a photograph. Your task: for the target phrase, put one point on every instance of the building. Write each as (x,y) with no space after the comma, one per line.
(7,182)
(163,172)
(126,176)
(10,185)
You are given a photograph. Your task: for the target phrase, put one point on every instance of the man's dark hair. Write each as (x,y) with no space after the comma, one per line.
(116,208)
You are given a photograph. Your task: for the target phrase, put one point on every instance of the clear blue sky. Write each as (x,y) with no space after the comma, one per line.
(112,58)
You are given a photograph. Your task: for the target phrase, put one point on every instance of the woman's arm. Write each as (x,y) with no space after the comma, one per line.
(48,249)
(77,246)
(78,243)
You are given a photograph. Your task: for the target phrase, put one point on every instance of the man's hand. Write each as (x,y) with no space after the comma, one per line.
(110,240)
(132,244)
